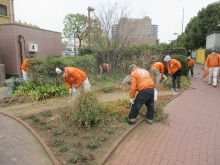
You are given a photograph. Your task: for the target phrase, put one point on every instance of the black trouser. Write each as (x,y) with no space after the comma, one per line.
(190,68)
(176,79)
(143,97)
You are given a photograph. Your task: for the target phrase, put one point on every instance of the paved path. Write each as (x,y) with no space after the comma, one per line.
(192,136)
(20,145)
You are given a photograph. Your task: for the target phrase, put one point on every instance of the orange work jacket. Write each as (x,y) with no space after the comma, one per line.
(213,60)
(140,80)
(159,66)
(191,62)
(74,76)
(24,65)
(173,65)
(105,67)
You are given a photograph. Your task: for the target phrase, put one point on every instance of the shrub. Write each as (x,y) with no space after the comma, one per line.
(74,159)
(102,138)
(93,145)
(185,82)
(57,142)
(85,112)
(41,91)
(63,149)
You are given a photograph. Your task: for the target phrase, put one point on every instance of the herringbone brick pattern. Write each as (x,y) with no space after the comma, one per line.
(191,137)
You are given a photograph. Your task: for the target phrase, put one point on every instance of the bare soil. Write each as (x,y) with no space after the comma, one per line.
(71,144)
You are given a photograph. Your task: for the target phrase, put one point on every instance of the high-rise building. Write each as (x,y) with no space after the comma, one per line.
(154,31)
(115,32)
(134,31)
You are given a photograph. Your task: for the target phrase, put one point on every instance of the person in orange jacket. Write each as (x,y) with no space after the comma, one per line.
(141,82)
(104,68)
(212,63)
(74,79)
(24,69)
(174,69)
(157,72)
(191,64)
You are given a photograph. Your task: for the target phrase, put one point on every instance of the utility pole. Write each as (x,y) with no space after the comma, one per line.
(182,20)
(89,25)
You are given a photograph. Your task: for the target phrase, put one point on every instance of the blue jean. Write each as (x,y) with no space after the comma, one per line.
(143,97)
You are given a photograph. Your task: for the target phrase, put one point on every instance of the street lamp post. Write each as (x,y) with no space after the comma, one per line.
(89,25)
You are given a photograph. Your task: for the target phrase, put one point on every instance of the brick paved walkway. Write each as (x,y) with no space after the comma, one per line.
(192,136)
(20,145)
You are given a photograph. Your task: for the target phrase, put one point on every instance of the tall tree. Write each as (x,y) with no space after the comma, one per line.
(206,21)
(75,26)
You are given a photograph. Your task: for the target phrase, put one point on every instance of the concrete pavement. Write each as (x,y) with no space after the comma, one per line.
(3,92)
(19,144)
(192,136)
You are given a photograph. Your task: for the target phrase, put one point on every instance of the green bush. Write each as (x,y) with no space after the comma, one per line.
(41,91)
(184,82)
(42,70)
(74,159)
(93,145)
(86,111)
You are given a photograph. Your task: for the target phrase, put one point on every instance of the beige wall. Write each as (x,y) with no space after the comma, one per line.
(136,31)
(9,17)
(49,44)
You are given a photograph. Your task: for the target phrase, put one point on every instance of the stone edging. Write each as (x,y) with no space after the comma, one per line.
(116,144)
(46,148)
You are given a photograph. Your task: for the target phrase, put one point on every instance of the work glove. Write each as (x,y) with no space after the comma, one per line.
(206,68)
(132,101)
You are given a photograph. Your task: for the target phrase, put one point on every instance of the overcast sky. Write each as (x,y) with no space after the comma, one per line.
(167,14)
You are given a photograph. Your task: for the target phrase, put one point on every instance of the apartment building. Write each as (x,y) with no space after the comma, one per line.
(134,31)
(6,11)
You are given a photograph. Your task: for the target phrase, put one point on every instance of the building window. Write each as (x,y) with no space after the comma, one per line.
(3,10)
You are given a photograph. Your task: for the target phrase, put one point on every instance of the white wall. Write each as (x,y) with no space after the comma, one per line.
(213,40)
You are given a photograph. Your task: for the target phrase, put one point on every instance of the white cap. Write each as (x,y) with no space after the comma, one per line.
(189,57)
(166,58)
(59,71)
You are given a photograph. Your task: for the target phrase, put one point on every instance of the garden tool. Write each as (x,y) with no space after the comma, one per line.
(205,73)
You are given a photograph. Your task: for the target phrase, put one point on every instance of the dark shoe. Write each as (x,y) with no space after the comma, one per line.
(129,122)
(149,121)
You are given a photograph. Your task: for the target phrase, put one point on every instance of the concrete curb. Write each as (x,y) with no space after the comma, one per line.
(46,148)
(116,144)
